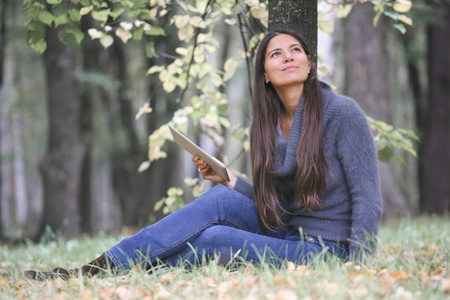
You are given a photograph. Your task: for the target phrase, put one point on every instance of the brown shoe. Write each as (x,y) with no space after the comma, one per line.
(55,273)
(92,268)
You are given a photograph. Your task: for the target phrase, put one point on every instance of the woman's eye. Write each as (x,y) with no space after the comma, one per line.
(275,54)
(296,50)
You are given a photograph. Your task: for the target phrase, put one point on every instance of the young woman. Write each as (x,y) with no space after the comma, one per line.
(315,180)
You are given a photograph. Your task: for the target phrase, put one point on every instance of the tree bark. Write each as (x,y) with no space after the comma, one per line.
(300,16)
(2,37)
(2,55)
(96,201)
(435,187)
(366,68)
(61,163)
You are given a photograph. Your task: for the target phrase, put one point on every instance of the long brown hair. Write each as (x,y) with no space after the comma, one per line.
(267,109)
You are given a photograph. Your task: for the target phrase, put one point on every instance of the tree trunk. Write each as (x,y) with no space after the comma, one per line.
(126,160)
(61,164)
(366,68)
(2,55)
(435,187)
(2,38)
(96,201)
(300,16)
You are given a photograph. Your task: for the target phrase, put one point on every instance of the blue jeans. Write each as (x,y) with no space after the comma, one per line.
(221,224)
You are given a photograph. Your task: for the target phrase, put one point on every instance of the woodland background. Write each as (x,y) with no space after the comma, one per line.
(75,121)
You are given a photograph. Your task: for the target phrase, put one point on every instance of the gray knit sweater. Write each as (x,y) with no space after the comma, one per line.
(351,207)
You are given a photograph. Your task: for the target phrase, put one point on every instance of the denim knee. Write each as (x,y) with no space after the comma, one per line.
(215,241)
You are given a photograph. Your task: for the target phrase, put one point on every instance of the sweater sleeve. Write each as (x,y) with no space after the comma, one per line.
(244,188)
(356,151)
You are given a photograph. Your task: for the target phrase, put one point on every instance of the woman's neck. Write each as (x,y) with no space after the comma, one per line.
(290,97)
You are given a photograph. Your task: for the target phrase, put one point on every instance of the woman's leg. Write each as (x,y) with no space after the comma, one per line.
(219,206)
(224,243)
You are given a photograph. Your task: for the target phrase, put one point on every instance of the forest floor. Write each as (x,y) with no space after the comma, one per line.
(412,262)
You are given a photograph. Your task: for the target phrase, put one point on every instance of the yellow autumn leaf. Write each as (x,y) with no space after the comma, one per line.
(145,109)
(332,288)
(261,12)
(126,25)
(402,6)
(445,285)
(106,40)
(197,22)
(405,19)
(200,54)
(85,10)
(94,33)
(290,266)
(124,35)
(185,33)
(180,21)
(230,68)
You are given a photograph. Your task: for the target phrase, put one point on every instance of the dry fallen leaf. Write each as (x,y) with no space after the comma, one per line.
(445,285)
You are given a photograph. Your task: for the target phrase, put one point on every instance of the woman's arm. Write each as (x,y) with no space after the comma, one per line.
(236,183)
(209,174)
(357,153)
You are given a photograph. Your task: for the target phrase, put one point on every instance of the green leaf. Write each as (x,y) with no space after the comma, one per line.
(59,9)
(75,15)
(385,154)
(33,12)
(225,122)
(39,46)
(239,134)
(138,33)
(37,27)
(342,11)
(85,10)
(71,35)
(155,69)
(159,204)
(399,158)
(400,27)
(392,15)
(143,166)
(140,4)
(46,18)
(54,2)
(34,37)
(150,49)
(62,19)
(223,107)
(117,11)
(155,31)
(101,15)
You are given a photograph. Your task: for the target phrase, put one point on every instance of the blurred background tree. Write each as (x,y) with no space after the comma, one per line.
(83,112)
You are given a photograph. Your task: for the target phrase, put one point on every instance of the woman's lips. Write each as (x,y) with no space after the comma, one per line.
(288,68)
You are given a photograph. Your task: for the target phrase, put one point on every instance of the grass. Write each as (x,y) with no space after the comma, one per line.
(412,262)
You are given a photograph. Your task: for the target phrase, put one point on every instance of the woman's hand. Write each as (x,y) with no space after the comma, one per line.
(209,174)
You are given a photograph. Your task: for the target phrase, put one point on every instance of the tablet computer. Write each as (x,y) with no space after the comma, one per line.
(216,165)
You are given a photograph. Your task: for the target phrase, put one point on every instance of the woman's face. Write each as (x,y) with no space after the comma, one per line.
(285,62)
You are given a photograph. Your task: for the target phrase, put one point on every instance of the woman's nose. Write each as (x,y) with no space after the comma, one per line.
(288,57)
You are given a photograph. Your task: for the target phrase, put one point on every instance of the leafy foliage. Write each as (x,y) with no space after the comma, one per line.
(387,137)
